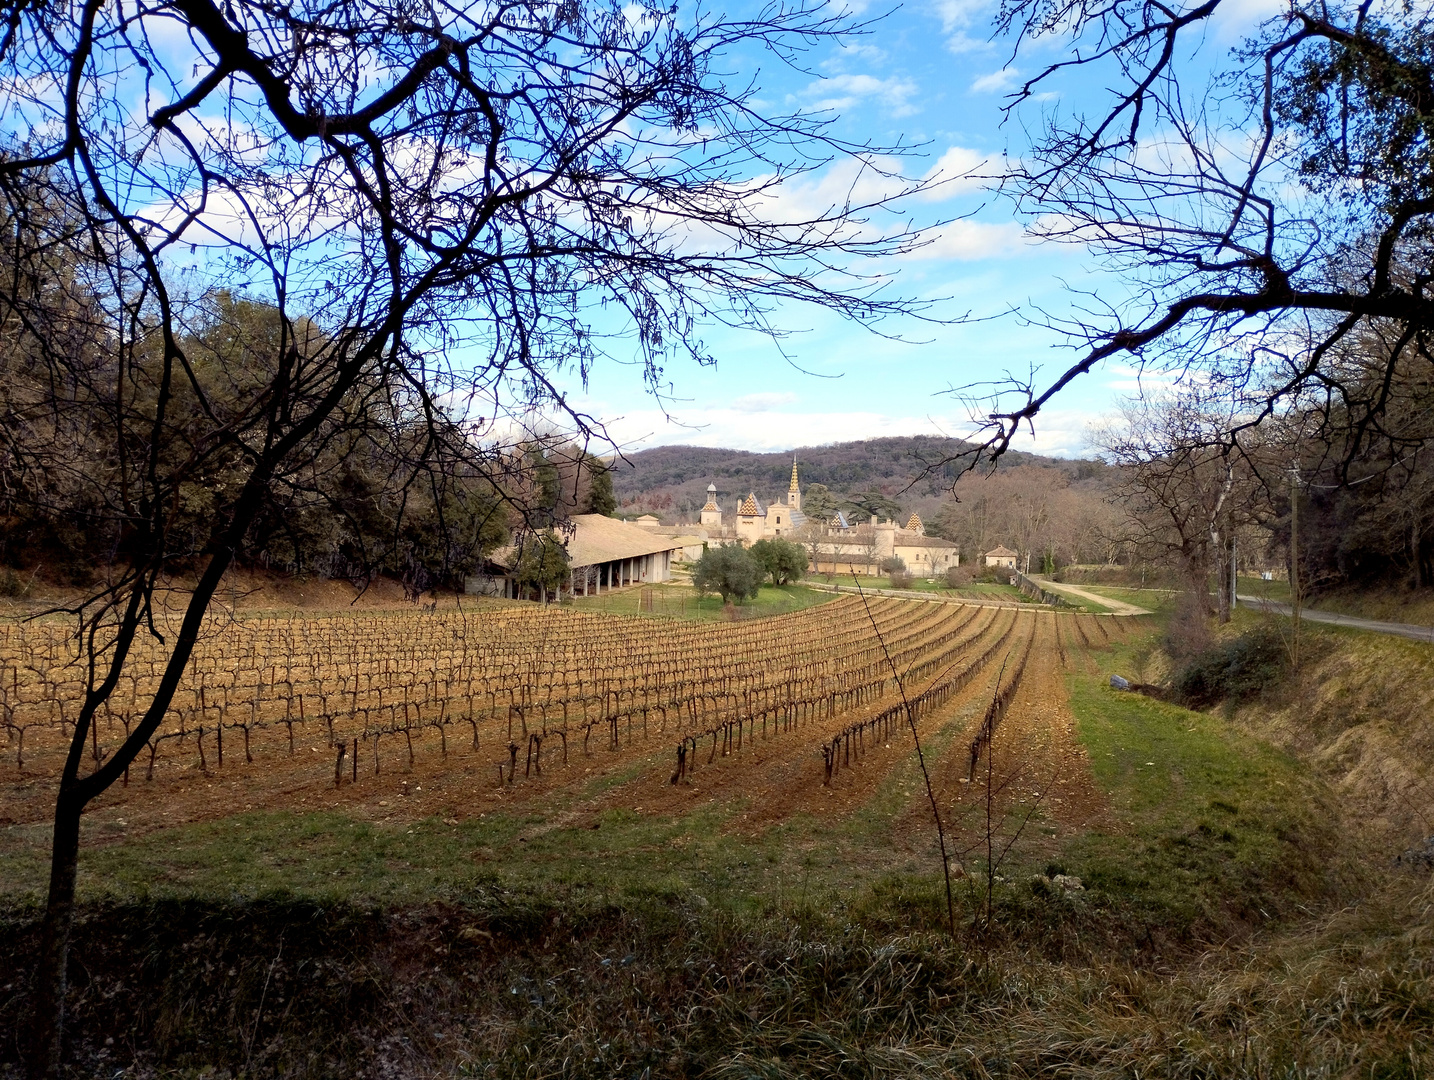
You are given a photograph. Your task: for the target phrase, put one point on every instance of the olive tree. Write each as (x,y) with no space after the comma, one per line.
(729,571)
(782,560)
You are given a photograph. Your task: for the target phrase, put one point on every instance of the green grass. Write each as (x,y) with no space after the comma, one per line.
(683,602)
(977,590)
(330,857)
(1267,590)
(1211,828)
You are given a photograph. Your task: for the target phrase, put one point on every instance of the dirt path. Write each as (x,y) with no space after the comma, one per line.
(1409,630)
(1117,607)
(1036,771)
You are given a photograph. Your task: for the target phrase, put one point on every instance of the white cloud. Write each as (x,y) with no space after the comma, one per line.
(1235,19)
(839,92)
(968,240)
(1058,432)
(960,169)
(761,402)
(996,82)
(958,18)
(843,55)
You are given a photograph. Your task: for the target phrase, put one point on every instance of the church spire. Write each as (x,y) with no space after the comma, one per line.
(793,486)
(794,493)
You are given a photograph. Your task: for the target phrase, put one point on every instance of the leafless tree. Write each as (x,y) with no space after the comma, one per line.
(1184,494)
(451,209)
(1267,204)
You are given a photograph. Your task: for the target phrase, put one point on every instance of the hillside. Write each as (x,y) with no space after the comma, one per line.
(910,470)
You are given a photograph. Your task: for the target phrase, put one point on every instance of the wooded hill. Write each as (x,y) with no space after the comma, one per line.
(915,472)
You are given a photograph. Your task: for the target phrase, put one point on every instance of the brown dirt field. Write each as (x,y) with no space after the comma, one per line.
(1035,760)
(774,777)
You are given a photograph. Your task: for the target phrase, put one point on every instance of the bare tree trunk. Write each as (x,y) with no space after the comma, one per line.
(1222,580)
(1415,541)
(76,792)
(50,981)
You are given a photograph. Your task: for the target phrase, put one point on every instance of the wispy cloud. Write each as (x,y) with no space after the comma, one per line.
(971,240)
(1058,432)
(996,82)
(837,93)
(959,19)
(761,402)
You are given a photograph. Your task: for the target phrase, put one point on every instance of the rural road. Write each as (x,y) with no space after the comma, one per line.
(1409,630)
(1119,607)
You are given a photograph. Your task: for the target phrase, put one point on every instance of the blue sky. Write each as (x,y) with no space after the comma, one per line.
(924,75)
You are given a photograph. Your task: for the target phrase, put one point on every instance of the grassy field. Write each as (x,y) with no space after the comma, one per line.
(977,590)
(1224,926)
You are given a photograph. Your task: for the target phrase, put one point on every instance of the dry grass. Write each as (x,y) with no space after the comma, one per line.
(1361,711)
(666,987)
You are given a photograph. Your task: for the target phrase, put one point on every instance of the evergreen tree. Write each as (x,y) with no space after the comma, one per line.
(730,571)
(783,560)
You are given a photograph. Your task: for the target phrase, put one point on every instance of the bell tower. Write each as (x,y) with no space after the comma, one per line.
(711,512)
(794,493)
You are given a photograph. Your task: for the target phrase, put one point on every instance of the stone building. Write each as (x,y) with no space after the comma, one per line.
(603,554)
(1001,556)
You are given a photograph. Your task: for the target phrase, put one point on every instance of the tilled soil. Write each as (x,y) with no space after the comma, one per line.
(773,776)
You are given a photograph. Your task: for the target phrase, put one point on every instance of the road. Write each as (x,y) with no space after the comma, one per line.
(1409,630)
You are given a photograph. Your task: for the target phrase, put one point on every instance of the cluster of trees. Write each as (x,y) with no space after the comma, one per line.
(373,498)
(1307,491)
(736,573)
(369,499)
(1056,515)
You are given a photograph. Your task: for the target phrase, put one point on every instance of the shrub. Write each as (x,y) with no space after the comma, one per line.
(1187,635)
(892,564)
(11,586)
(900,579)
(1232,671)
(958,576)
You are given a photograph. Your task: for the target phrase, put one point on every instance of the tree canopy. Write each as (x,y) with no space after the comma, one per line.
(729,571)
(782,560)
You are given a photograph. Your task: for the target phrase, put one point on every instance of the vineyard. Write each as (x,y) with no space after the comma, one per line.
(456,711)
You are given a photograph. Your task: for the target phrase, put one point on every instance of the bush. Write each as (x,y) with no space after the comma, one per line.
(959,576)
(901,579)
(892,564)
(1187,635)
(11,586)
(1233,671)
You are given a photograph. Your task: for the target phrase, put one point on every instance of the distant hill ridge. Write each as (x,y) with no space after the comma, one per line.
(675,478)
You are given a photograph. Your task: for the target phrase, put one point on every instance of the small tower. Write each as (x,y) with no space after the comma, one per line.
(794,493)
(711,512)
(749,519)
(914,525)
